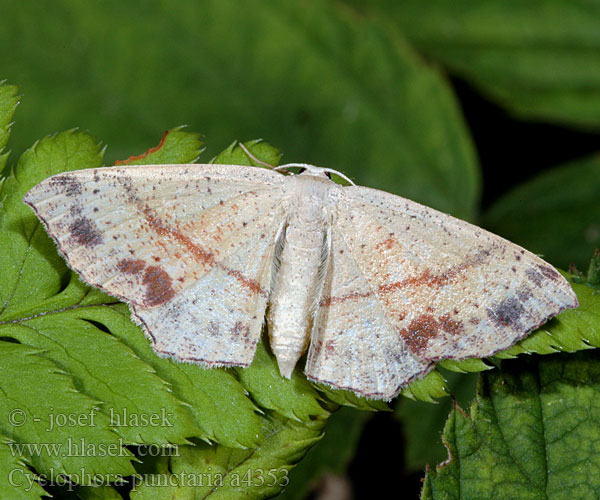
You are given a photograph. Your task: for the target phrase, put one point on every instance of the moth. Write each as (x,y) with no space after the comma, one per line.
(376,287)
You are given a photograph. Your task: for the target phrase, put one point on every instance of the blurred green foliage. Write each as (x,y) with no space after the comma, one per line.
(323,85)
(539,58)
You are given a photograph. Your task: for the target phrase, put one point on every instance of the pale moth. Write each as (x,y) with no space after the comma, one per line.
(375,286)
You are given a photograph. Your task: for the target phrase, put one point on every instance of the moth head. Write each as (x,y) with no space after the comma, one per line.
(308,169)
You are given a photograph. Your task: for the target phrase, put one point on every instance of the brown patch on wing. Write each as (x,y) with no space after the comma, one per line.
(85,233)
(450,325)
(158,283)
(329,348)
(159,286)
(328,301)
(425,328)
(424,279)
(131,266)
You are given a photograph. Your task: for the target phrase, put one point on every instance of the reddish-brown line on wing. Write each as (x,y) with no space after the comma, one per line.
(251,284)
(424,279)
(161,229)
(199,254)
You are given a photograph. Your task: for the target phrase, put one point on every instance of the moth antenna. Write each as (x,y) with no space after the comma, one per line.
(254,158)
(339,174)
(281,168)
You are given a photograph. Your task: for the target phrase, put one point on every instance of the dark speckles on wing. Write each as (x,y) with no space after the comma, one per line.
(241,331)
(85,233)
(534,276)
(75,211)
(507,313)
(213,329)
(66,183)
(549,272)
(449,325)
(524,294)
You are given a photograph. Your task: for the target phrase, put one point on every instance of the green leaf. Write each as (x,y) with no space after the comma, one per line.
(539,59)
(279,69)
(17,482)
(176,146)
(217,472)
(464,366)
(218,402)
(140,406)
(331,455)
(55,427)
(554,214)
(294,398)
(532,433)
(593,274)
(349,398)
(428,388)
(8,103)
